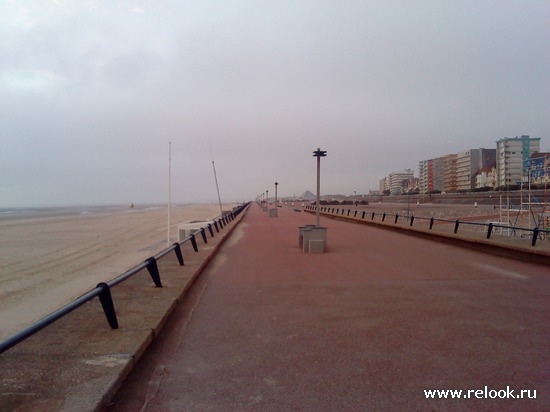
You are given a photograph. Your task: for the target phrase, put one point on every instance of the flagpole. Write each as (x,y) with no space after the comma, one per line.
(169,189)
(217,188)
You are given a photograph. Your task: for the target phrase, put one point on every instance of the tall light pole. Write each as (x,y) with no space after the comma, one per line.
(318,154)
(276,184)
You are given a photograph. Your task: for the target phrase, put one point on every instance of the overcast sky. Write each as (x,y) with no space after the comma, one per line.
(91,92)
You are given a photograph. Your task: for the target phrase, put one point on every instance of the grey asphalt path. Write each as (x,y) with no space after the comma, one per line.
(369,325)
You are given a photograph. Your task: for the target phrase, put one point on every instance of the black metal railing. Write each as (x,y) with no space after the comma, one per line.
(533,234)
(103,289)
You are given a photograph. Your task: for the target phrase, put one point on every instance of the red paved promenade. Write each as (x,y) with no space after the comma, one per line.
(369,325)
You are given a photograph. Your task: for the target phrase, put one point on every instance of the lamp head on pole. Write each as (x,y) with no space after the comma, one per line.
(319,153)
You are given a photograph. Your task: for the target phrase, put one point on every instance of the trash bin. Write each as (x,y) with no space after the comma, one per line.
(301,234)
(312,232)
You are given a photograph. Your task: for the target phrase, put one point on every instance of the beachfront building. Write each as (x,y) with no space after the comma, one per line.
(396,181)
(410,185)
(383,185)
(439,173)
(449,173)
(468,163)
(426,176)
(431,174)
(511,155)
(486,177)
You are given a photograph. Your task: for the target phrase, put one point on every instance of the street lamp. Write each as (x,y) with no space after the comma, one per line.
(276,184)
(318,154)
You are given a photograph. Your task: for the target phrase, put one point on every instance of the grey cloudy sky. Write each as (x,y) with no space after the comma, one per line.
(91,92)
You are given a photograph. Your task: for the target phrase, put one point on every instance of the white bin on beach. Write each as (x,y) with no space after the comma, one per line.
(188,228)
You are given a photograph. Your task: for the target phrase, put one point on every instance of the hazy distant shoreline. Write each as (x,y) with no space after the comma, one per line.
(72,210)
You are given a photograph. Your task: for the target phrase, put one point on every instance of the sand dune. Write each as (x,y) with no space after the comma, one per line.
(47,261)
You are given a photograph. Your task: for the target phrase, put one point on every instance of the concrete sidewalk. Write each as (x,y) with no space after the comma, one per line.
(471,236)
(369,325)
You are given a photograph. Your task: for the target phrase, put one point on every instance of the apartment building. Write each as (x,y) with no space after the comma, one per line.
(511,155)
(396,181)
(449,173)
(439,173)
(383,185)
(431,175)
(468,163)
(425,176)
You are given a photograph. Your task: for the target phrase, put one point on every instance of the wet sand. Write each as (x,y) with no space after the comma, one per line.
(49,259)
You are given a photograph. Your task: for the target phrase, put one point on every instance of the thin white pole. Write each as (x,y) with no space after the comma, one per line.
(169,189)
(217,188)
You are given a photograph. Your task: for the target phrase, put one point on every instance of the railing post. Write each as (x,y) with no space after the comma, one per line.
(383,216)
(108,306)
(372,218)
(489,230)
(535,236)
(456,226)
(412,220)
(349,211)
(355,215)
(396,217)
(203,234)
(154,271)
(179,255)
(210,230)
(431,223)
(220,221)
(363,215)
(194,242)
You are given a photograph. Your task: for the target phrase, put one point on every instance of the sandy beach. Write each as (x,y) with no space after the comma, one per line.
(48,259)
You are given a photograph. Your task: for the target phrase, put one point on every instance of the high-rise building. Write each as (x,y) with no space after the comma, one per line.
(439,173)
(468,163)
(426,175)
(431,175)
(511,154)
(383,185)
(449,178)
(396,180)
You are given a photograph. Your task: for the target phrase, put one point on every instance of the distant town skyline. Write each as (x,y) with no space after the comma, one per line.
(502,165)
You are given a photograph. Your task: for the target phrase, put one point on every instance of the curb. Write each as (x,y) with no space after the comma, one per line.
(112,390)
